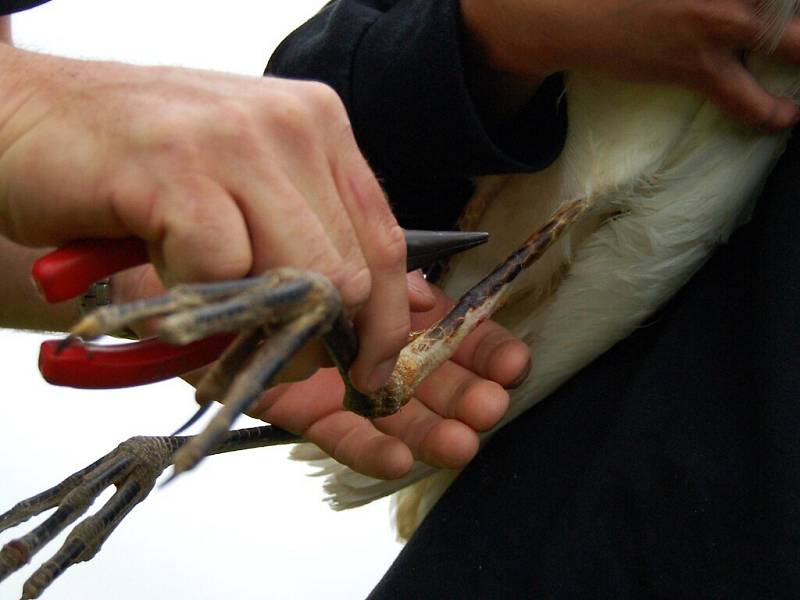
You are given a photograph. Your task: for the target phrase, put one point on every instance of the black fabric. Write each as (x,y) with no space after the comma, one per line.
(399,68)
(668,468)
(11,6)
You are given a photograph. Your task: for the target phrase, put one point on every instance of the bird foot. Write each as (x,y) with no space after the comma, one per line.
(276,314)
(132,468)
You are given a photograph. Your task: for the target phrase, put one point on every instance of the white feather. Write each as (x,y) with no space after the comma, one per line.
(671,178)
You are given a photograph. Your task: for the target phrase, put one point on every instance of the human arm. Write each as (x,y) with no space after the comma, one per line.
(300,409)
(429,86)
(691,43)
(418,126)
(221,175)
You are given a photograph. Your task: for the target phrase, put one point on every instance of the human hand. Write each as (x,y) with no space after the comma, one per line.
(221,175)
(439,426)
(697,44)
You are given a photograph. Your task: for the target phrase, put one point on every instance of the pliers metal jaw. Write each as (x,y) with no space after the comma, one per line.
(68,271)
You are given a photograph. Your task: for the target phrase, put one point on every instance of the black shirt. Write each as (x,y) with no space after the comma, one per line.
(11,6)
(669,467)
(402,71)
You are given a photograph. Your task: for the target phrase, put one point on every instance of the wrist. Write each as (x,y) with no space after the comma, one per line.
(18,82)
(498,91)
(511,44)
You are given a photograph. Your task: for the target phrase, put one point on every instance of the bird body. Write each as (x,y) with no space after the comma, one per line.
(670,177)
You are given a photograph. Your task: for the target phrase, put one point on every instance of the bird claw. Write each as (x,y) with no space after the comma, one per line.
(132,467)
(276,314)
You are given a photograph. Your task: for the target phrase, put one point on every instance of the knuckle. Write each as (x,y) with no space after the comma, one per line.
(759,116)
(703,72)
(175,151)
(485,403)
(354,283)
(742,28)
(324,98)
(392,251)
(708,12)
(290,116)
(726,22)
(235,124)
(395,334)
(163,142)
(699,13)
(331,118)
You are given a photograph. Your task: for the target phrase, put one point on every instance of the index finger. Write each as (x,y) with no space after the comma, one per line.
(788,47)
(383,323)
(734,89)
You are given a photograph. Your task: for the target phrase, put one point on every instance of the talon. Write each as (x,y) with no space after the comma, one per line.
(66,343)
(198,414)
(133,468)
(13,556)
(170,478)
(185,460)
(88,328)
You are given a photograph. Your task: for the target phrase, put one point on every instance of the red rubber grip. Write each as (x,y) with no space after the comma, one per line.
(69,271)
(97,366)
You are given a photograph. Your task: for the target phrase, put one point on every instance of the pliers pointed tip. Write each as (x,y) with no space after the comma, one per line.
(427,247)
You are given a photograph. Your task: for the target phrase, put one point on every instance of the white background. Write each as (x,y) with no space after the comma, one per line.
(245,526)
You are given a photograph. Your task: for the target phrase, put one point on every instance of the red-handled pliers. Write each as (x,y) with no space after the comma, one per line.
(69,271)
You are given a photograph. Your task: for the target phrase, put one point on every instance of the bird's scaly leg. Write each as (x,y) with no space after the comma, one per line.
(439,342)
(290,307)
(133,468)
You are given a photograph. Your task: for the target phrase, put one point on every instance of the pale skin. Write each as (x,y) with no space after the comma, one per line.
(521,42)
(692,43)
(221,175)
(625,39)
(225,176)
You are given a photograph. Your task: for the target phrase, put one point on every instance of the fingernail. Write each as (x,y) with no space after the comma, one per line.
(522,376)
(380,375)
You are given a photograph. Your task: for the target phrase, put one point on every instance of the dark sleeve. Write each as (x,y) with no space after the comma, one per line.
(401,69)
(11,6)
(667,468)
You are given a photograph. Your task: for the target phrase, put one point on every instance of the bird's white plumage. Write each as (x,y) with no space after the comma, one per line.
(671,177)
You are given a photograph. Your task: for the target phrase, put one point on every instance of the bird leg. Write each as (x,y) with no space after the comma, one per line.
(282,310)
(276,314)
(132,468)
(438,343)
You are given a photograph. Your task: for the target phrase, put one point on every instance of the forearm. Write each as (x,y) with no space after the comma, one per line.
(21,306)
(501,91)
